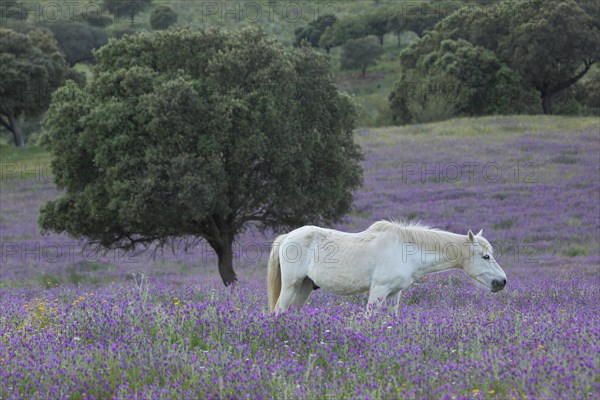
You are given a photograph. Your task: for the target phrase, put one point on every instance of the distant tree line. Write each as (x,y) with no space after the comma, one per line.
(471,58)
(36,58)
(513,58)
(487,57)
(327,32)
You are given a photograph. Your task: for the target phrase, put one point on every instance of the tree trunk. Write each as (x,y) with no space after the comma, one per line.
(224,250)
(547,103)
(226,264)
(548,92)
(15,127)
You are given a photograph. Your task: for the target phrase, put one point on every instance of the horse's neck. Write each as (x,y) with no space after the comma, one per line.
(439,265)
(429,261)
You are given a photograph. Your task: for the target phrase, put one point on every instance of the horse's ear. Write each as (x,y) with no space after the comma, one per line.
(480,233)
(470,236)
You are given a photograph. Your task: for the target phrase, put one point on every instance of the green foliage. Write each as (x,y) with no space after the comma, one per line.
(591,97)
(432,109)
(120,31)
(360,54)
(582,98)
(162,17)
(510,95)
(418,17)
(96,19)
(420,98)
(557,31)
(195,134)
(31,68)
(505,54)
(378,23)
(443,78)
(353,27)
(77,40)
(551,44)
(591,8)
(312,33)
(126,10)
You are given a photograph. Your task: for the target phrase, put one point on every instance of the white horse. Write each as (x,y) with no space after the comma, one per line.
(384,259)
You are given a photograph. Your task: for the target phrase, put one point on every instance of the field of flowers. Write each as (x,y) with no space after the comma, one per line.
(78,325)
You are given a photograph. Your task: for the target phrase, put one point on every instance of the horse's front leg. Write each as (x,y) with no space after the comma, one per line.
(395,296)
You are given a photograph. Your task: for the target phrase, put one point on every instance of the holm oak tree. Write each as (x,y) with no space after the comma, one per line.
(196,134)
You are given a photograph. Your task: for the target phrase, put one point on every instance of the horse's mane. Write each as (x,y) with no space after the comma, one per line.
(422,235)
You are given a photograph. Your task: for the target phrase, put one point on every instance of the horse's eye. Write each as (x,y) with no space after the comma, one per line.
(486,257)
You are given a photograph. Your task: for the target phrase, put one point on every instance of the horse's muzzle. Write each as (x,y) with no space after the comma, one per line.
(498,285)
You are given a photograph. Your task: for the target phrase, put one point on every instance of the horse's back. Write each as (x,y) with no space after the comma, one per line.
(337,262)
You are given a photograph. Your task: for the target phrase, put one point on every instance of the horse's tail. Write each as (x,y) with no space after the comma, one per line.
(274,274)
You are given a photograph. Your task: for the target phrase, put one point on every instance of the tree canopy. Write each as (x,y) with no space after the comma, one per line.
(551,44)
(31,68)
(126,9)
(417,17)
(378,23)
(77,39)
(312,33)
(360,54)
(195,134)
(496,58)
(162,17)
(444,77)
(352,27)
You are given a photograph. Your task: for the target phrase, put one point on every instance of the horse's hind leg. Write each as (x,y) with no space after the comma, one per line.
(377,295)
(303,292)
(293,284)
(294,295)
(285,299)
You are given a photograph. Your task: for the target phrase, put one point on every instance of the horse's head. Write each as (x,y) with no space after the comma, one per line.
(480,265)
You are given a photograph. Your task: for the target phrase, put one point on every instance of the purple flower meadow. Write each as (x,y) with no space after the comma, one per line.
(81,325)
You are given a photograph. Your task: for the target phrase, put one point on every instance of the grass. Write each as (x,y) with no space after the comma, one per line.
(486,126)
(10,153)
(23,163)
